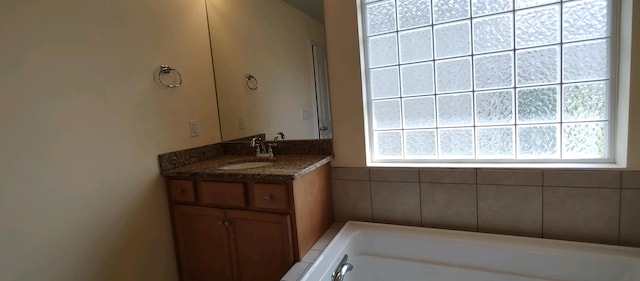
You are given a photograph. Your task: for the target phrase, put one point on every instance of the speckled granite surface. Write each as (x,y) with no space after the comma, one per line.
(293,158)
(180,158)
(284,167)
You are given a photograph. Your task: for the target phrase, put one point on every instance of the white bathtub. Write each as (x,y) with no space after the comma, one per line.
(402,253)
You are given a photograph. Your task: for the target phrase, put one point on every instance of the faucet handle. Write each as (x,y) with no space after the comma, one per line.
(279,135)
(255,141)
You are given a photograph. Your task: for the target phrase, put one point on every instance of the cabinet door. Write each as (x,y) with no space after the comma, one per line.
(203,244)
(262,244)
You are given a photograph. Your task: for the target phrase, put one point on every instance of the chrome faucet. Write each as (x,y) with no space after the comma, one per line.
(341,270)
(261,149)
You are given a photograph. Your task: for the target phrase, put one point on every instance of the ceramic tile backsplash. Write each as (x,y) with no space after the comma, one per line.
(450,206)
(630,218)
(508,209)
(326,238)
(296,271)
(350,174)
(448,175)
(300,268)
(351,200)
(400,175)
(311,256)
(631,179)
(591,205)
(510,177)
(396,202)
(602,179)
(583,214)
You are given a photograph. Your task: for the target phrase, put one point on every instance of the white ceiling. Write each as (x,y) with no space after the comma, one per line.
(312,8)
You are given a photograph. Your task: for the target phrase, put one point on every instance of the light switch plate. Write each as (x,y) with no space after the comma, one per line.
(194,129)
(306,115)
(240,123)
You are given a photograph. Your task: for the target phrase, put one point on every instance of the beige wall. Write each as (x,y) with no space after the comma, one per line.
(270,40)
(82,121)
(346,85)
(634,86)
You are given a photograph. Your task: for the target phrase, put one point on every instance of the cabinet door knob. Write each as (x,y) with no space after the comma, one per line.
(224,222)
(268,197)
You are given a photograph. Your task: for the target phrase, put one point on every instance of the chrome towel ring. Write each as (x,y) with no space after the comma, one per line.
(252,82)
(166,69)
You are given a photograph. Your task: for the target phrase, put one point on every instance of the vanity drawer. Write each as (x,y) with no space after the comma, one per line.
(222,193)
(270,196)
(181,190)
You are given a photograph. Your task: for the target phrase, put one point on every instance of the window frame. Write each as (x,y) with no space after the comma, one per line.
(614,133)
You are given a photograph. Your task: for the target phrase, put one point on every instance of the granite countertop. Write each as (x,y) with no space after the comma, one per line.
(284,167)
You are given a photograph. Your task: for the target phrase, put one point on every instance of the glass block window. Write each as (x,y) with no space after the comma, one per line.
(489,80)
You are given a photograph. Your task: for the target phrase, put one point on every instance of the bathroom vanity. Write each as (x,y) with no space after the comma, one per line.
(247,224)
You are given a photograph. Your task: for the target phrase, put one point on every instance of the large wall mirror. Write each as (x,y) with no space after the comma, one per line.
(270,68)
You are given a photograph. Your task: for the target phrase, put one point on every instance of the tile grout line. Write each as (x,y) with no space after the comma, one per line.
(477,204)
(420,199)
(370,194)
(542,207)
(420,187)
(620,212)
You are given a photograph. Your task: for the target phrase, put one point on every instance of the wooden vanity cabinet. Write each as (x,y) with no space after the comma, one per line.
(262,243)
(247,230)
(202,244)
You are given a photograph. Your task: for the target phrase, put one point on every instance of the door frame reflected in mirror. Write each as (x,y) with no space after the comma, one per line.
(284,49)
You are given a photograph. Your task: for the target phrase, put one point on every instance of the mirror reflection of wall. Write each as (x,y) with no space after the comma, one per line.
(283,48)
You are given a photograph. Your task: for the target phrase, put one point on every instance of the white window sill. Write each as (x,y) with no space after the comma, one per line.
(499,165)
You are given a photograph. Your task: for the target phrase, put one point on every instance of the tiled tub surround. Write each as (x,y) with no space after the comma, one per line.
(588,206)
(299,268)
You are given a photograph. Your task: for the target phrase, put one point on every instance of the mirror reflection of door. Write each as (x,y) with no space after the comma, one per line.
(321,80)
(271,40)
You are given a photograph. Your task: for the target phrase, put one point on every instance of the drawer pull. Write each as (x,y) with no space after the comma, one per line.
(268,197)
(181,191)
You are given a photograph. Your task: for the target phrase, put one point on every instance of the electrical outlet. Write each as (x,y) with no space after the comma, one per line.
(194,129)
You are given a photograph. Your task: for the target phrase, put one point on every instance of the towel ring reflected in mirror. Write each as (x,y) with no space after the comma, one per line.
(168,70)
(252,82)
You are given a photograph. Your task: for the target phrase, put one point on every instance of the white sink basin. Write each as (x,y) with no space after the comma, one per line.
(245,165)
